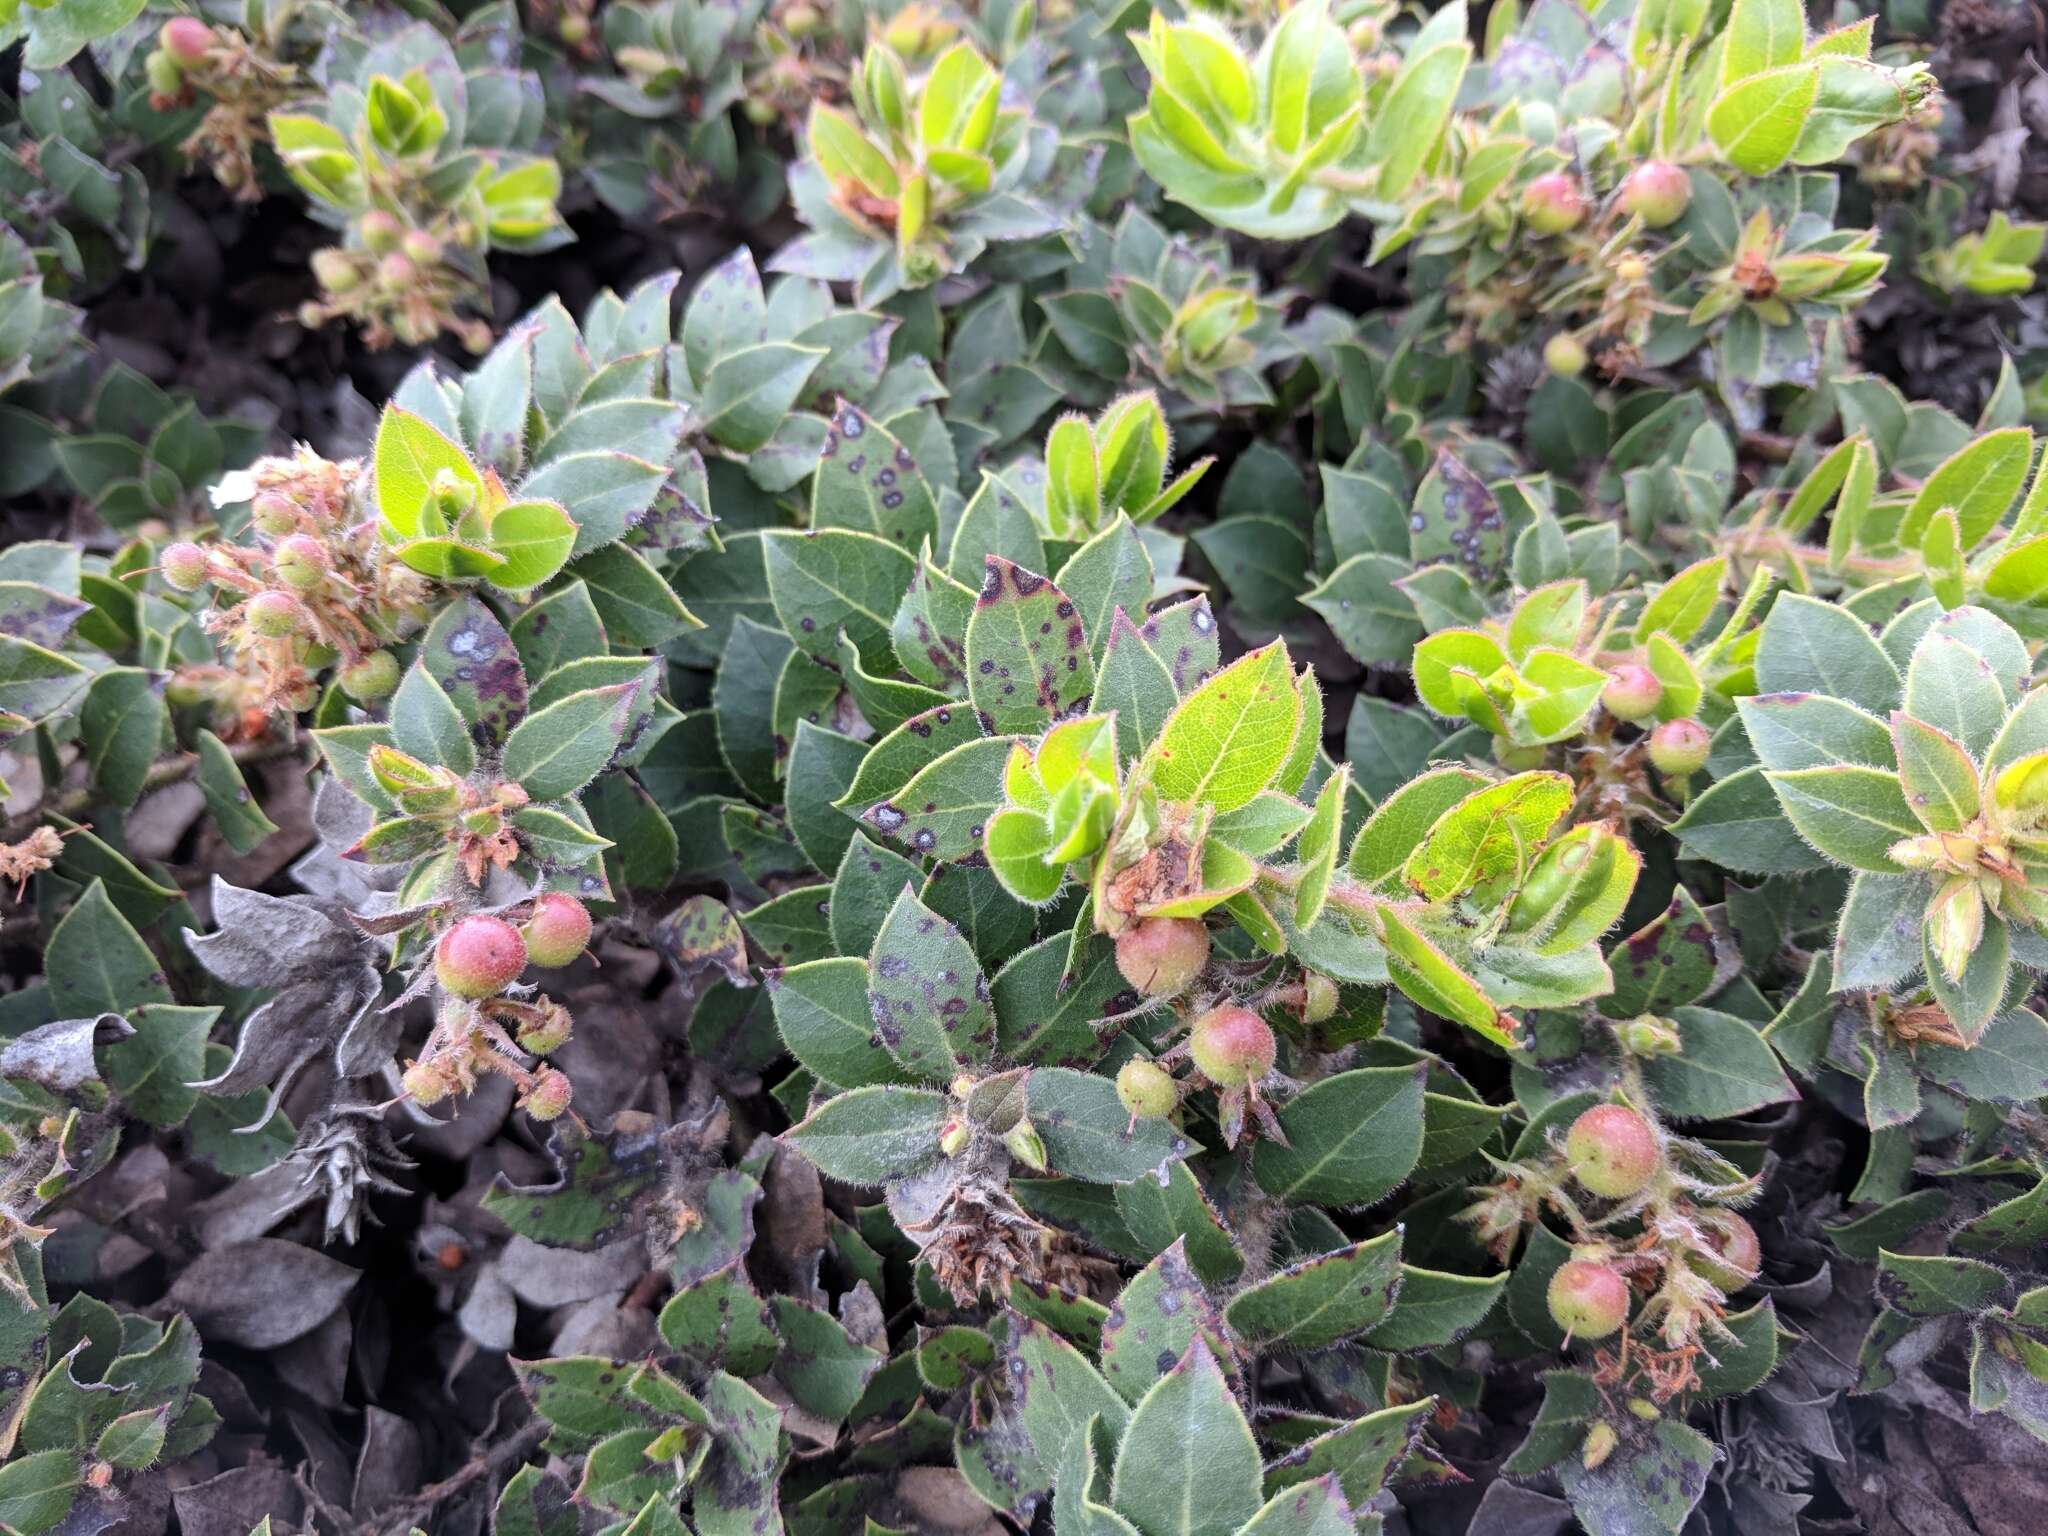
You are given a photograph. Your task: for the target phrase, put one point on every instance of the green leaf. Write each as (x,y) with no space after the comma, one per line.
(944,809)
(234,809)
(1761,35)
(1739,824)
(1359,1454)
(409,453)
(36,1491)
(1935,1285)
(1352,1138)
(824,1369)
(1756,122)
(1135,685)
(1088,1134)
(151,1069)
(930,1001)
(1667,963)
(1432,1309)
(1056,1391)
(821,1008)
(1722,1069)
(122,723)
(833,579)
(749,392)
(638,608)
(1812,730)
(555,751)
(1938,776)
(1187,1464)
(534,539)
(1317,849)
(426,724)
(1028,659)
(873,1135)
(1155,1319)
(1852,815)
(97,963)
(1227,739)
(870,482)
(1978,482)
(1809,646)
(1323,1300)
(1371,616)
(1487,834)
(1108,575)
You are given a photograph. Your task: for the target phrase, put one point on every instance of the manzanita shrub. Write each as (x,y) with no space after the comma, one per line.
(1199,771)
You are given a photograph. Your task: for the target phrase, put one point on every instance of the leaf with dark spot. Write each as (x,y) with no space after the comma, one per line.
(1028,658)
(928,996)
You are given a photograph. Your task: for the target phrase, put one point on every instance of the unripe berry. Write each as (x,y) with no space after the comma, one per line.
(275,615)
(558,930)
(549,1095)
(273,513)
(423,1084)
(300,562)
(421,247)
(479,956)
(1146,1089)
(573,29)
(396,272)
(758,112)
(1633,692)
(381,231)
(164,77)
(1232,1046)
(1679,748)
(1318,997)
(1565,355)
(186,39)
(547,1034)
(185,566)
(1588,1300)
(1657,192)
(370,677)
(334,272)
(1741,1255)
(1553,203)
(1161,956)
(800,21)
(1613,1151)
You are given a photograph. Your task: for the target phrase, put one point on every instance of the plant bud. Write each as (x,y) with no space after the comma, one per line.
(549,1095)
(334,272)
(1161,956)
(1598,1446)
(165,79)
(479,956)
(453,495)
(424,1084)
(1232,1046)
(1565,355)
(1613,1151)
(1650,1036)
(1631,269)
(1644,1409)
(370,677)
(1025,1145)
(1657,192)
(421,247)
(275,615)
(558,930)
(1553,203)
(186,39)
(380,230)
(1679,748)
(300,562)
(1588,1300)
(1146,1089)
(1740,1256)
(1318,997)
(184,566)
(1633,692)
(953,1136)
(273,513)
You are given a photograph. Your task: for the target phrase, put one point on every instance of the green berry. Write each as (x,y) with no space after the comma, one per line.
(184,566)
(1146,1089)
(334,272)
(1162,956)
(549,1096)
(273,513)
(1553,203)
(423,1084)
(300,562)
(558,931)
(1318,997)
(1565,355)
(370,677)
(275,615)
(1588,1300)
(1613,1151)
(1679,748)
(1232,1046)
(479,956)
(161,70)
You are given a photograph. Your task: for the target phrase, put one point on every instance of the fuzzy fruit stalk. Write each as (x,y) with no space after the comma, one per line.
(479,956)
(1633,692)
(1588,1300)
(1613,1151)
(558,931)
(1146,1089)
(1232,1047)
(1162,956)
(1679,748)
(1553,203)
(1657,192)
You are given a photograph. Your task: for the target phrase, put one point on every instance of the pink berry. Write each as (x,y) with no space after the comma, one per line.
(1679,748)
(1633,692)
(1161,956)
(421,247)
(186,39)
(1613,1151)
(548,1096)
(1657,192)
(185,566)
(300,562)
(1146,1089)
(276,615)
(1741,1254)
(558,930)
(1232,1046)
(479,956)
(1588,1300)
(380,230)
(273,513)
(1553,203)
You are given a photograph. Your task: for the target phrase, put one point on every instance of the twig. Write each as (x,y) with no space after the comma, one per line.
(166,771)
(475,1470)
